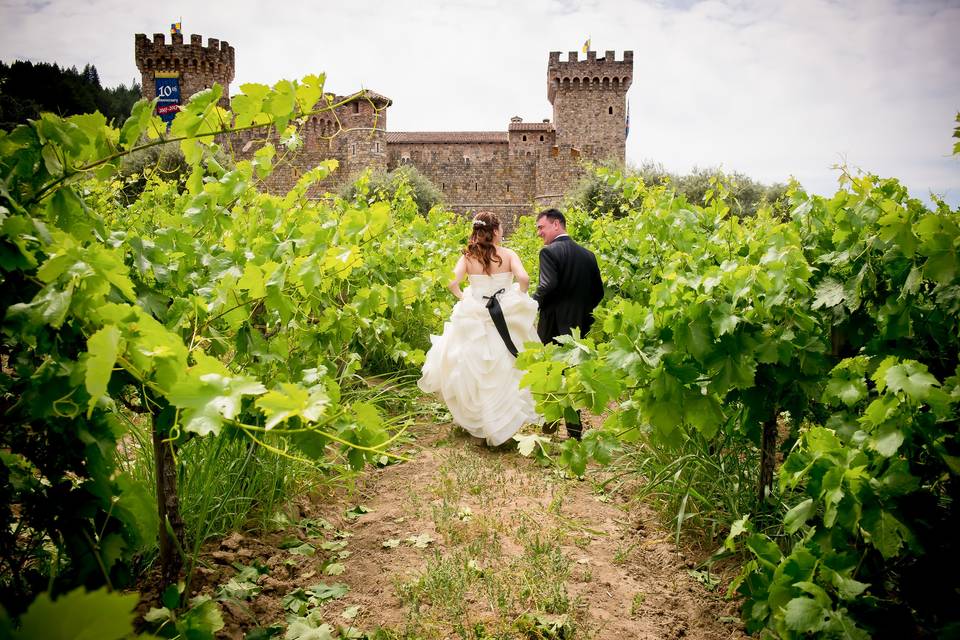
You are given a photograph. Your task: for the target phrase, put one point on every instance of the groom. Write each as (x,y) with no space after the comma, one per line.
(569,288)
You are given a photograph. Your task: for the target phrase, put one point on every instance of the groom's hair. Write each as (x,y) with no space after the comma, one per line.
(553,214)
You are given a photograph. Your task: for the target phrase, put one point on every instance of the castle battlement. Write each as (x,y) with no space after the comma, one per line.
(197,66)
(157,52)
(574,56)
(606,73)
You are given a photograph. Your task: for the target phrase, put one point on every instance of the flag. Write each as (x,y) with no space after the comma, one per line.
(175,28)
(586,45)
(626,132)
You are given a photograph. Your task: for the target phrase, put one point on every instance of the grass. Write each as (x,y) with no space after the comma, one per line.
(230,483)
(500,572)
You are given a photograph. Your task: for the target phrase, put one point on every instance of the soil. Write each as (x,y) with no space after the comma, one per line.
(623,575)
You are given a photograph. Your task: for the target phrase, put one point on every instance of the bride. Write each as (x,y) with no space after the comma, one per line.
(470,365)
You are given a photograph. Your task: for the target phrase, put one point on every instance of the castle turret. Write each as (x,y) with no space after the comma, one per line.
(362,142)
(589,102)
(182,69)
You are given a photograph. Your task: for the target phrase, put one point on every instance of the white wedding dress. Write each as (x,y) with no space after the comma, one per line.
(470,367)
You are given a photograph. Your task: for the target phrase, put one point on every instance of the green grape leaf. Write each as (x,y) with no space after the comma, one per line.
(912,378)
(828,293)
(136,124)
(742,525)
(138,511)
(103,347)
(356,511)
(805,615)
(202,620)
(883,531)
(573,457)
(420,541)
(848,391)
(309,627)
(324,592)
(941,267)
(765,550)
(210,397)
(292,400)
(79,615)
(704,412)
(527,442)
(797,516)
(887,439)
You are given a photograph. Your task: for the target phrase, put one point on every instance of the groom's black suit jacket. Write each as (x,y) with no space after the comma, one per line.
(569,288)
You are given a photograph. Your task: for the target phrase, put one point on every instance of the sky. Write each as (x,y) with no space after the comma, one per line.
(768,88)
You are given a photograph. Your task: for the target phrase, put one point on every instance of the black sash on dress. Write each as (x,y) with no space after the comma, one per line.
(496,314)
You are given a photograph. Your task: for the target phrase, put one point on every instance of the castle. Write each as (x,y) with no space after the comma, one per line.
(525,168)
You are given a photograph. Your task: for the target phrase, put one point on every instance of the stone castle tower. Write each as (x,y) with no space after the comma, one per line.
(529,166)
(589,99)
(196,66)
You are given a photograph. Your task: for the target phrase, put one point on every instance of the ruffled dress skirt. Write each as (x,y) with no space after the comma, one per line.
(469,366)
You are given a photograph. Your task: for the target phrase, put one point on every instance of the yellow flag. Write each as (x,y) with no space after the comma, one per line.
(586,45)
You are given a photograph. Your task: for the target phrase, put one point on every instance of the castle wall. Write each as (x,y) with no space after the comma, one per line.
(556,172)
(351,133)
(528,167)
(473,176)
(593,121)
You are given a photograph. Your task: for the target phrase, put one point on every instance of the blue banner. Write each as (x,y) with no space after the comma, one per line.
(168,94)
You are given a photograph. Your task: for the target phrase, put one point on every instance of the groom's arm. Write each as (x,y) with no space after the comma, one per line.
(547,283)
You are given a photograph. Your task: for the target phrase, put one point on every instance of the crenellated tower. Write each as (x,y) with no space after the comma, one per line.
(589,102)
(194,66)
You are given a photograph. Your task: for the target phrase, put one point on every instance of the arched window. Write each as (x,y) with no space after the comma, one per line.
(610,110)
(541,138)
(524,138)
(356,106)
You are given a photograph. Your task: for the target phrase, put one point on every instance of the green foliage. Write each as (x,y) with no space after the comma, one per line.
(200,619)
(842,317)
(203,309)
(386,185)
(601,191)
(29,88)
(79,615)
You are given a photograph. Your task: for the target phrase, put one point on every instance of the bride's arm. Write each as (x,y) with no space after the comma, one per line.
(458,272)
(519,272)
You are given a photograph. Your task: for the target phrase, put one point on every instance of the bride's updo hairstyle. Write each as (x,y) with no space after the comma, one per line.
(480,247)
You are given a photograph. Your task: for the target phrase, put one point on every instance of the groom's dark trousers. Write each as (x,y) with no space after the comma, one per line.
(569,289)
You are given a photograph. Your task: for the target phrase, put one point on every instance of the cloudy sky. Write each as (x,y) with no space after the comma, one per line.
(768,88)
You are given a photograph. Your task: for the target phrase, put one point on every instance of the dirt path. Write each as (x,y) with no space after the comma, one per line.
(468,542)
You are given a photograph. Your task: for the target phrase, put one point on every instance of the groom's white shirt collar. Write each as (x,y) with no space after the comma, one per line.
(562,235)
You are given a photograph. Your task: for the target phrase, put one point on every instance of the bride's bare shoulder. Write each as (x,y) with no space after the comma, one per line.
(472,265)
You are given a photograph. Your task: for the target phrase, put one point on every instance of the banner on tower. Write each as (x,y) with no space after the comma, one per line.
(626,131)
(168,94)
